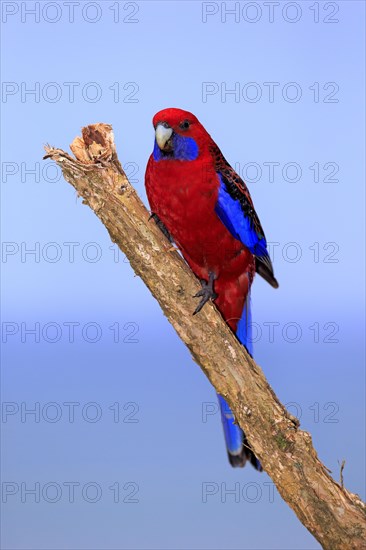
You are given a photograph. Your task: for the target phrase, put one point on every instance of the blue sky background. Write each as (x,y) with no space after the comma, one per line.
(162,452)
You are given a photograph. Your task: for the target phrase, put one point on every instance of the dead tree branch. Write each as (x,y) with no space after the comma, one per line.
(332,514)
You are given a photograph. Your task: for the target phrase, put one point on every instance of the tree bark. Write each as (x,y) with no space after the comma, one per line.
(335,516)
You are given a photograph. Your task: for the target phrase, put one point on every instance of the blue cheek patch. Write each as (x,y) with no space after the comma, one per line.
(157,153)
(184,148)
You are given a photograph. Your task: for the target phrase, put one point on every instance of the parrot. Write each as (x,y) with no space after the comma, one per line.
(204,208)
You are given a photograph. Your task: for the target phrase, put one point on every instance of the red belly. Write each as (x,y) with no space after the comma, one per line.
(184,195)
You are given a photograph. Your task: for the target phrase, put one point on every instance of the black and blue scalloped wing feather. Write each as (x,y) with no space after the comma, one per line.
(236,211)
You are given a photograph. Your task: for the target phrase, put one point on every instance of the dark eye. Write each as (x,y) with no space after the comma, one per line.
(185,125)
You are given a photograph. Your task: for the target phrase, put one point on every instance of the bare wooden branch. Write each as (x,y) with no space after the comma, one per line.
(332,514)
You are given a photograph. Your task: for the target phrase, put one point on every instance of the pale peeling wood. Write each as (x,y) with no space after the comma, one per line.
(332,514)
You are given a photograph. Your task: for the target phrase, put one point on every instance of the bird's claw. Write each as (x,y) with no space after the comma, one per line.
(207,293)
(161,226)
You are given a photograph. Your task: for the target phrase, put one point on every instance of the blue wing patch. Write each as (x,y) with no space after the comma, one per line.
(240,226)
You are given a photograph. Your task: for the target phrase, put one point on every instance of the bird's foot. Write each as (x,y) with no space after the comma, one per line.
(161,226)
(173,248)
(206,293)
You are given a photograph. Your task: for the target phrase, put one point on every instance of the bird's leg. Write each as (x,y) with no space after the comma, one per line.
(207,292)
(161,226)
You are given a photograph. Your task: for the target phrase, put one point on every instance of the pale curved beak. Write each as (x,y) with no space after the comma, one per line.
(163,135)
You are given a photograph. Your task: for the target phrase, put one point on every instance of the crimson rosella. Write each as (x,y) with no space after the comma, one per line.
(205,208)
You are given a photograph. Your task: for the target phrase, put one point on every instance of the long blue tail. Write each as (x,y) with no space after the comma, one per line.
(238,448)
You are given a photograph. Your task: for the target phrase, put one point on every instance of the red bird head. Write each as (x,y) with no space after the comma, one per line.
(178,135)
